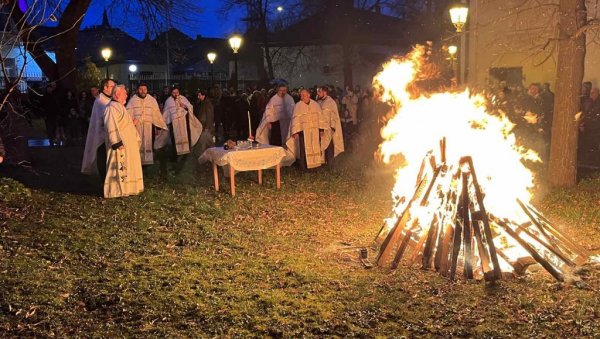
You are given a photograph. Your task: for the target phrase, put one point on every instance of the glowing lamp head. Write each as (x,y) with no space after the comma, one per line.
(211,57)
(452,49)
(235,42)
(132,68)
(279,9)
(106,53)
(458,15)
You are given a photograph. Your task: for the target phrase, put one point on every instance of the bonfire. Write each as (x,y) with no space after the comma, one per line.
(462,197)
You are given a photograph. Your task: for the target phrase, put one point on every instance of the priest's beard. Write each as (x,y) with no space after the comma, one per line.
(142,96)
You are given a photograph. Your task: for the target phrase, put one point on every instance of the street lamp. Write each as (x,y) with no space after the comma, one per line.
(452,49)
(235,42)
(458,15)
(106,53)
(211,58)
(132,70)
(279,9)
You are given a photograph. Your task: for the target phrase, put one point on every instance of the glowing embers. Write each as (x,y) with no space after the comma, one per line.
(445,226)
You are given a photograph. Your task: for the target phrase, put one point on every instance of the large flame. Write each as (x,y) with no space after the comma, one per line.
(422,120)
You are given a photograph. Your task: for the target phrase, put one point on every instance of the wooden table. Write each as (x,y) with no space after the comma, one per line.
(241,160)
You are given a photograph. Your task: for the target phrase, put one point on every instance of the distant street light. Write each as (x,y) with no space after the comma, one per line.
(132,70)
(452,51)
(211,58)
(458,15)
(106,54)
(235,42)
(279,9)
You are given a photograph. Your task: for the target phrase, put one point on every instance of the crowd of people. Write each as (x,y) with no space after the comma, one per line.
(313,124)
(532,109)
(127,132)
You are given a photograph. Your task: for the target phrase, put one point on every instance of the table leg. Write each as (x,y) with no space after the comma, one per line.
(278,175)
(216,176)
(260,177)
(232,179)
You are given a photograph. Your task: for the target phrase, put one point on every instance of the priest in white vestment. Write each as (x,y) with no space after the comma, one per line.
(94,155)
(306,129)
(123,164)
(274,126)
(145,113)
(184,128)
(332,142)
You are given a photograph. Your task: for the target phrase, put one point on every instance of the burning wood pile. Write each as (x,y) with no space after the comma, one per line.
(445,226)
(447,216)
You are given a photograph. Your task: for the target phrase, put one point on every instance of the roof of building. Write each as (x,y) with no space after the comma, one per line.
(336,24)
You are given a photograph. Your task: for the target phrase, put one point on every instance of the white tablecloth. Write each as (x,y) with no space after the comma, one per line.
(253,159)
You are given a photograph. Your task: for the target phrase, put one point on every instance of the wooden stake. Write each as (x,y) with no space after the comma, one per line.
(468,252)
(555,273)
(486,224)
(455,248)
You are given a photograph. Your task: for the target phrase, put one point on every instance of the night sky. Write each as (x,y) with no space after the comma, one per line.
(209,23)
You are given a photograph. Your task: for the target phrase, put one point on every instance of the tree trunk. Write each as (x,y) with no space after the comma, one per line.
(65,40)
(562,170)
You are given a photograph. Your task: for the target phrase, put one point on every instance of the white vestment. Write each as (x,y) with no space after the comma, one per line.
(95,136)
(123,167)
(174,114)
(334,133)
(146,112)
(307,118)
(277,109)
(351,102)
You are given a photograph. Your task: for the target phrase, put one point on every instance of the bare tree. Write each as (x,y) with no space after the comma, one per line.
(15,37)
(69,14)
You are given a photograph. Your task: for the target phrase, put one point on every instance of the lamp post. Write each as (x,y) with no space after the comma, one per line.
(132,70)
(452,49)
(235,42)
(211,58)
(106,53)
(458,15)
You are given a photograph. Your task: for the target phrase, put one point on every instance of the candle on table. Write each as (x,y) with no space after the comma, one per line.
(249,126)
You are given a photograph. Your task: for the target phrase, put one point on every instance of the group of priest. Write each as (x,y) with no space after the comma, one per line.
(123,135)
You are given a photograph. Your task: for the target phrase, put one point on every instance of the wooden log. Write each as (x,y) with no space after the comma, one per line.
(455,249)
(403,245)
(392,238)
(465,201)
(484,218)
(382,228)
(541,260)
(482,249)
(430,243)
(556,251)
(444,259)
(418,247)
(533,219)
(443,150)
(570,245)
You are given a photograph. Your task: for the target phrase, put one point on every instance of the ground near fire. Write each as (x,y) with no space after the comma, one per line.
(182,260)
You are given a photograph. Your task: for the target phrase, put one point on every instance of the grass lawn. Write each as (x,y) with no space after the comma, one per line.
(181,260)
